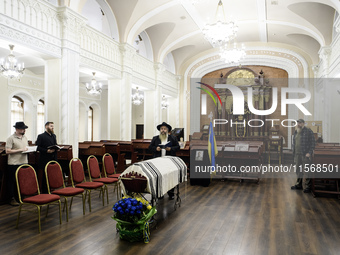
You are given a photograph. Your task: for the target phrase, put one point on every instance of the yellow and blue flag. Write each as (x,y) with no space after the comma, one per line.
(212,147)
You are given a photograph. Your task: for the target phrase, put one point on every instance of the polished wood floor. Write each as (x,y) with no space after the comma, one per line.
(224,218)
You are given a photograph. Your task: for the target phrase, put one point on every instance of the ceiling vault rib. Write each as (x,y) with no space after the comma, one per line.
(262,17)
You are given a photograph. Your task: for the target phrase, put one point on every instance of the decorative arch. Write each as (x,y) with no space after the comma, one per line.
(293,63)
(29,111)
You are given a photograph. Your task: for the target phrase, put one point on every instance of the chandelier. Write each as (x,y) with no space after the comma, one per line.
(94,88)
(9,67)
(137,98)
(221,31)
(232,55)
(164,103)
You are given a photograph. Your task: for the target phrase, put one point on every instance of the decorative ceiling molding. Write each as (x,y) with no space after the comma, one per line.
(278,57)
(315,35)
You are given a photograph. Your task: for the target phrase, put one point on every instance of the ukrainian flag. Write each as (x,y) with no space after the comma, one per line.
(212,147)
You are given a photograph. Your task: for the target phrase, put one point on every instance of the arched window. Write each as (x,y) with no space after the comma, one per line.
(90,124)
(17,109)
(41,117)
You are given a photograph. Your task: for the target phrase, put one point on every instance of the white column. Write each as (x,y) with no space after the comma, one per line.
(327,120)
(70,99)
(126,106)
(52,94)
(5,113)
(119,108)
(325,55)
(315,69)
(173,109)
(34,120)
(152,112)
(72,24)
(114,109)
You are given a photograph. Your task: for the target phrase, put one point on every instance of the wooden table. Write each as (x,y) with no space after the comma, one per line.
(326,155)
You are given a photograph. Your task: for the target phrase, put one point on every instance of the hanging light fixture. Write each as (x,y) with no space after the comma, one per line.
(221,31)
(164,103)
(232,55)
(137,98)
(94,88)
(9,67)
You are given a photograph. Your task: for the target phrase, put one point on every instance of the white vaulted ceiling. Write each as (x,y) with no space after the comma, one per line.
(175,26)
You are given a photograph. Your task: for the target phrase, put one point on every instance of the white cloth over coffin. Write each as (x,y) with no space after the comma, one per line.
(162,173)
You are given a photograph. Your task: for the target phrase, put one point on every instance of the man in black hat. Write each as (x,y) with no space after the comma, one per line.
(45,143)
(16,144)
(303,147)
(164,144)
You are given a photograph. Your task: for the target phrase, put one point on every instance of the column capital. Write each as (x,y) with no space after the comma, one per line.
(127,54)
(315,69)
(325,53)
(72,24)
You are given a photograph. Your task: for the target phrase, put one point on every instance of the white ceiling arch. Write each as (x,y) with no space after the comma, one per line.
(111,18)
(212,61)
(137,26)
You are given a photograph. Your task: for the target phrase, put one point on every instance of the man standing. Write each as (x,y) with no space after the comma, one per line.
(16,144)
(303,147)
(164,144)
(44,141)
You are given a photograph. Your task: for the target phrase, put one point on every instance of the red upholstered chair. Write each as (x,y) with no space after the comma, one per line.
(56,184)
(29,193)
(109,166)
(110,171)
(95,175)
(78,180)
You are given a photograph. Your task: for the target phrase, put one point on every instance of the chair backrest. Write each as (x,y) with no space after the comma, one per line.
(93,167)
(76,171)
(54,175)
(108,164)
(26,180)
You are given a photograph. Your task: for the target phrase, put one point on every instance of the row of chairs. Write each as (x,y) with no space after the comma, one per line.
(29,193)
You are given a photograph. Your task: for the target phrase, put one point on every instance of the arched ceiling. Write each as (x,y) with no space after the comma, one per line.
(175,26)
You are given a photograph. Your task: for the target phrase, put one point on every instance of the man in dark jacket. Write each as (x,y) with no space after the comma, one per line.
(44,141)
(303,147)
(164,144)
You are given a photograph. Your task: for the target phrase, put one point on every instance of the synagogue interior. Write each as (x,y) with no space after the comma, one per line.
(241,86)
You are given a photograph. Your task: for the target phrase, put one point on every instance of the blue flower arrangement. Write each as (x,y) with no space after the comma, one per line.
(132,216)
(131,209)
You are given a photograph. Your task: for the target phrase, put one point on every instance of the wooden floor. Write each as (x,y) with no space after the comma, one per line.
(224,218)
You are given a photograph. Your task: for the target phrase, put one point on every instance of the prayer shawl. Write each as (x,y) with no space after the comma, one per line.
(162,173)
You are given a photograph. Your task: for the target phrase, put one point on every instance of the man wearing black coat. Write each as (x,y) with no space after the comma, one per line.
(164,144)
(44,141)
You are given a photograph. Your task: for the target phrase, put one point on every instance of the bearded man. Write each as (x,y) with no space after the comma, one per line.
(44,141)
(303,147)
(164,144)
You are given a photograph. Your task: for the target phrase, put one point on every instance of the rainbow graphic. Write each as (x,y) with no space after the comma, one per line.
(209,93)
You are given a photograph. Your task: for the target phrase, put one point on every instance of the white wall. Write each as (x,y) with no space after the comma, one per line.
(137,118)
(92,11)
(30,89)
